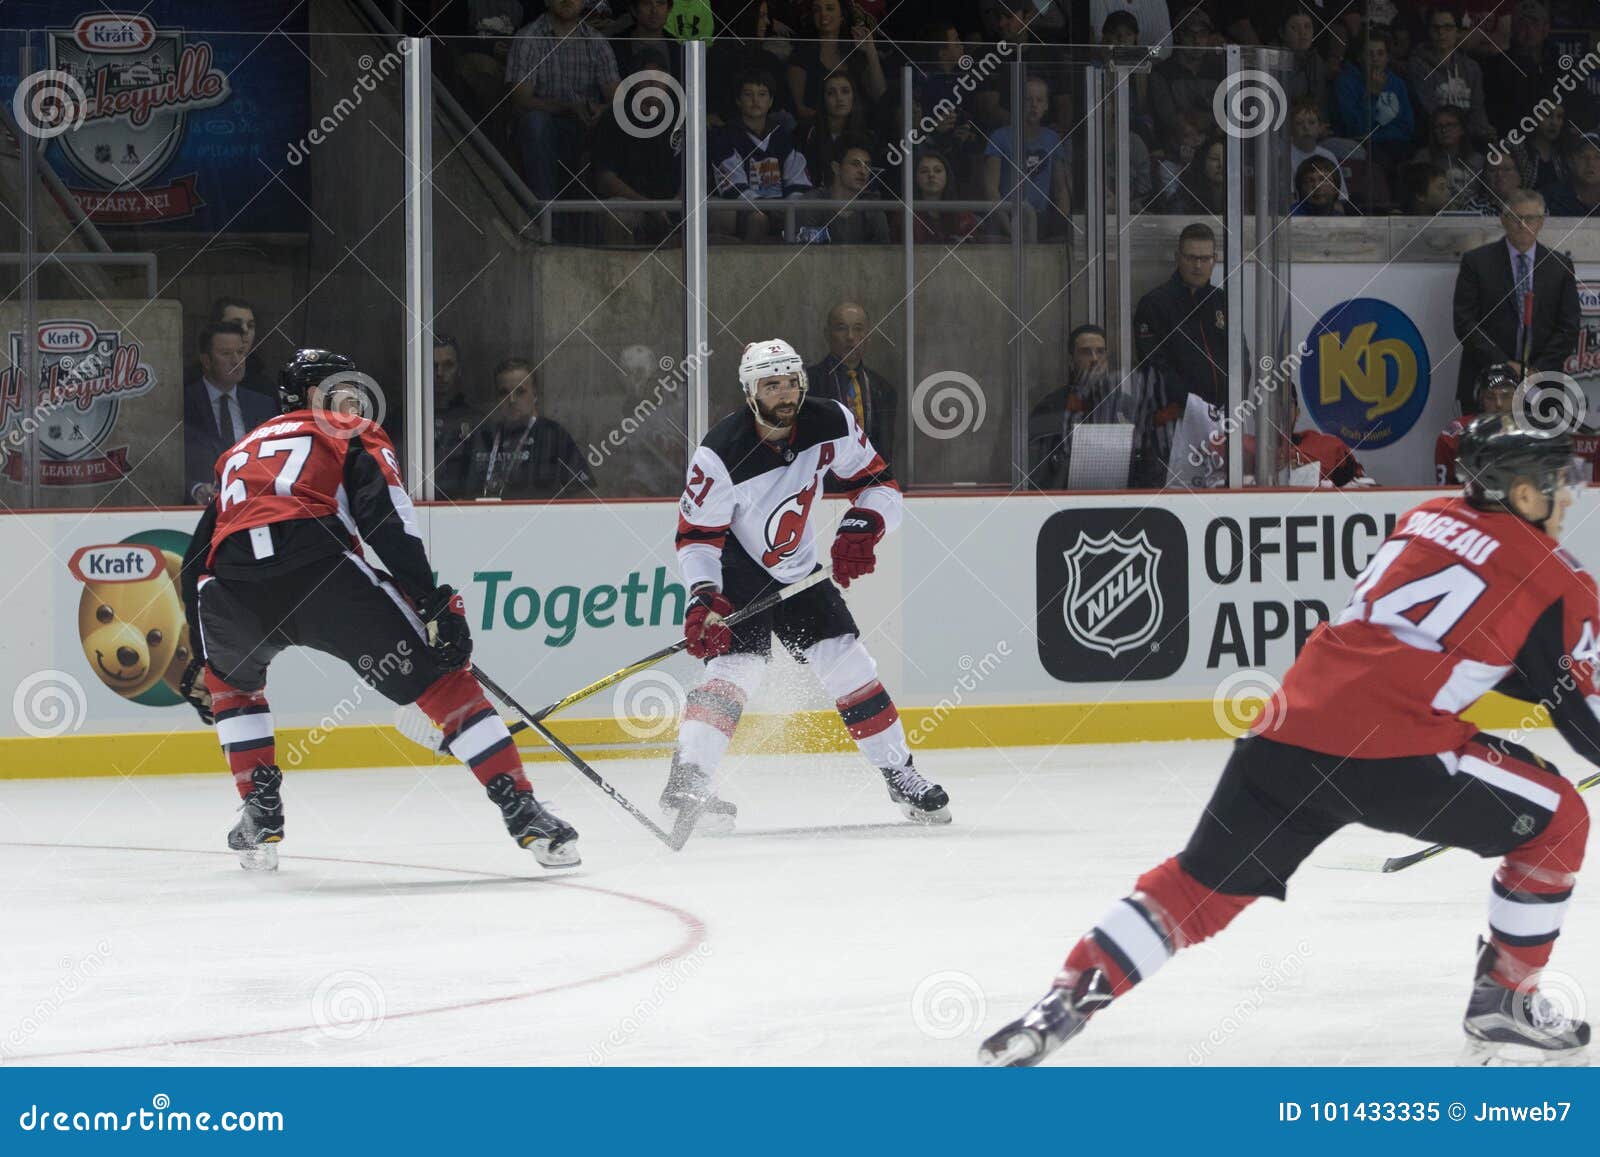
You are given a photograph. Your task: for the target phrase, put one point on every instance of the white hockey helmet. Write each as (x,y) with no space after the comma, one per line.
(766,359)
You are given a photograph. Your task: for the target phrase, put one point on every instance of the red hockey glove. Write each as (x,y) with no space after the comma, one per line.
(444,617)
(859,532)
(707,634)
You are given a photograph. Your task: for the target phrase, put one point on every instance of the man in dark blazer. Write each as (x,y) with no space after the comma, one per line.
(843,376)
(1491,290)
(216,411)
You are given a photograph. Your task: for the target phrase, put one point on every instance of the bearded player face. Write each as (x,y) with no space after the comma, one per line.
(778,399)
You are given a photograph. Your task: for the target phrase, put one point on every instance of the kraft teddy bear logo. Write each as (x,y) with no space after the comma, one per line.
(131,624)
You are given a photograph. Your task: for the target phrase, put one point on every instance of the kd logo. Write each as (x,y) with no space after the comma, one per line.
(1362,365)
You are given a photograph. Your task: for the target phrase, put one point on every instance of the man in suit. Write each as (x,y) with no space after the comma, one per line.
(843,376)
(1493,291)
(216,411)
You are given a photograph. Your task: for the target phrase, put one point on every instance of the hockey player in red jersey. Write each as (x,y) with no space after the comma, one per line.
(1470,594)
(276,561)
(745,529)
(1494,390)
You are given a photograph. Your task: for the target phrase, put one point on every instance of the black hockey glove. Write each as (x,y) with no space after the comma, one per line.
(193,688)
(444,616)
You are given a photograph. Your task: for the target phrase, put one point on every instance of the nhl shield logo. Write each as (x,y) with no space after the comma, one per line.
(1112,602)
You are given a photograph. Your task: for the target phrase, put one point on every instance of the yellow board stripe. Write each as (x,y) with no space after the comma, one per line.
(802,732)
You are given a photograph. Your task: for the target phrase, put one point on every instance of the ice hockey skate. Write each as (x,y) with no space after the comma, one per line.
(553,841)
(919,801)
(1519,1026)
(690,800)
(260,828)
(1049,1024)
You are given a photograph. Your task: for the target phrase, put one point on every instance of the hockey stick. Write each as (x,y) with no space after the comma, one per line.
(410,722)
(675,841)
(1399,863)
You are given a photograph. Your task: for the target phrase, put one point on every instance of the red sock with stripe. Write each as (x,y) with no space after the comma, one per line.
(1532,890)
(244,728)
(473,731)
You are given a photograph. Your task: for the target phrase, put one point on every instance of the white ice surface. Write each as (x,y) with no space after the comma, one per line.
(405,928)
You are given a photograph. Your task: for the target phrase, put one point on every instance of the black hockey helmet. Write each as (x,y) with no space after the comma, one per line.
(1495,451)
(307,369)
(1499,378)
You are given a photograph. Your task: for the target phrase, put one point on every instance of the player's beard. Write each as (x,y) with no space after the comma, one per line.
(779,418)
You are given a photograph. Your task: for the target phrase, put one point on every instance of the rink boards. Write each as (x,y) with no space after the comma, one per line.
(1029,619)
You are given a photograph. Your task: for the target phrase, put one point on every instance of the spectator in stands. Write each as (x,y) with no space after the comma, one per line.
(1374,104)
(1541,158)
(256,378)
(646,40)
(1316,188)
(1491,290)
(958,140)
(842,114)
(832,50)
(1530,72)
(1194,127)
(1495,388)
(1150,21)
(1121,30)
(1181,327)
(1443,77)
(1090,396)
(1046,159)
(845,377)
(1202,187)
(851,180)
(1449,150)
(479,63)
(1187,80)
(519,454)
(1311,77)
(1427,189)
(1579,194)
(563,72)
(756,161)
(455,421)
(748,40)
(1306,130)
(630,168)
(1497,180)
(1008,21)
(932,224)
(216,412)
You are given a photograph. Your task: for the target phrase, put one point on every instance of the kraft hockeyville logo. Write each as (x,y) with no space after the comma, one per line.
(1113,594)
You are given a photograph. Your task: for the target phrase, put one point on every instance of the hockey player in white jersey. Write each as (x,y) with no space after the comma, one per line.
(744,529)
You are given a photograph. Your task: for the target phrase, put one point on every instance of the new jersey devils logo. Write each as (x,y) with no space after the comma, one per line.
(786,524)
